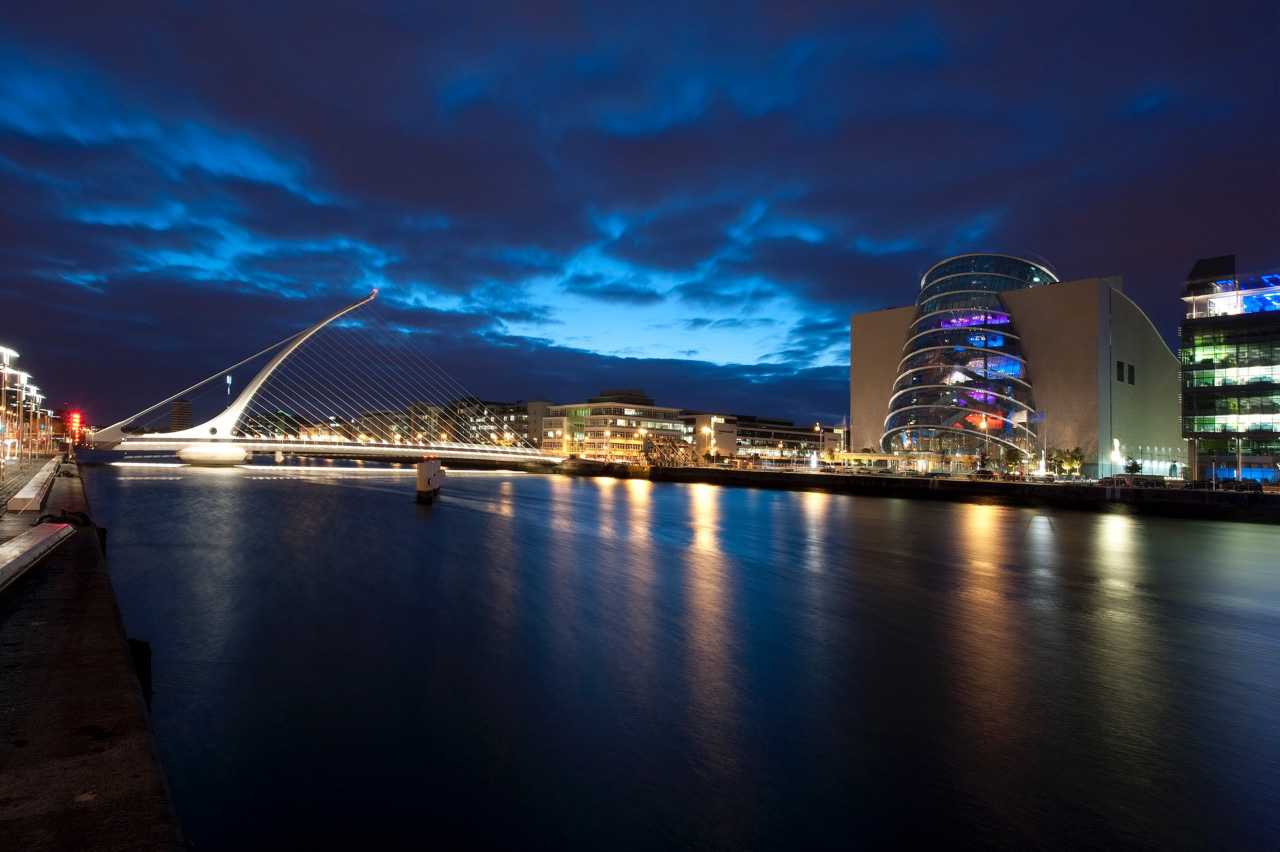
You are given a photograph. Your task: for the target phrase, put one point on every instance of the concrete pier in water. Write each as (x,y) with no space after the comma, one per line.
(430,480)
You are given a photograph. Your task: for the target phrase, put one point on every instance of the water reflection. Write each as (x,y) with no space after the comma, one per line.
(711,675)
(637,595)
(987,639)
(597,663)
(815,505)
(1133,686)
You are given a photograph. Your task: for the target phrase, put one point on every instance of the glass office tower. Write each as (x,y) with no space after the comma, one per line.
(963,387)
(1230,354)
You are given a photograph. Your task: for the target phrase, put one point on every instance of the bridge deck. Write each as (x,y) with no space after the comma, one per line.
(381,452)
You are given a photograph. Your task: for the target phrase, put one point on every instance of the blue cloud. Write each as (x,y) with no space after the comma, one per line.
(579,187)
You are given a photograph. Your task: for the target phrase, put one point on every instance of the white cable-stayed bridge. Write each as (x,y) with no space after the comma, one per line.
(350,386)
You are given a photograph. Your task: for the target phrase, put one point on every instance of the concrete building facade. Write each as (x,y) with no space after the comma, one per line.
(612,427)
(1103,379)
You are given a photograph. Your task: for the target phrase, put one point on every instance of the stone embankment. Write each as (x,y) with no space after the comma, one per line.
(1175,502)
(77,765)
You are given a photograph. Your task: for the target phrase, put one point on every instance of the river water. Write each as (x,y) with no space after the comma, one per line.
(551,662)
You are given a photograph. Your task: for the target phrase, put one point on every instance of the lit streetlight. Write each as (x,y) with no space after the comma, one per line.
(986,437)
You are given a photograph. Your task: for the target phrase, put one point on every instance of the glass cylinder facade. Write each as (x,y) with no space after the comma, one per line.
(963,386)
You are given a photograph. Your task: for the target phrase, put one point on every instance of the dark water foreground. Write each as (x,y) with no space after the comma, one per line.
(542,661)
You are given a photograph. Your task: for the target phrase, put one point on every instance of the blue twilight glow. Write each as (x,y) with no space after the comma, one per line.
(691,200)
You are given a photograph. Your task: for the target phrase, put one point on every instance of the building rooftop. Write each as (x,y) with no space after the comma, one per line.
(633,396)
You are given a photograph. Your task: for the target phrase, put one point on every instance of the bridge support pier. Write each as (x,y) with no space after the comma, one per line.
(430,479)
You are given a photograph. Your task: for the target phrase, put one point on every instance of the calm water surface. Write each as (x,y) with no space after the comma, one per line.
(541,661)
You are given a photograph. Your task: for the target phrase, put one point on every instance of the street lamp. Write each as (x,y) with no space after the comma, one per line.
(986,437)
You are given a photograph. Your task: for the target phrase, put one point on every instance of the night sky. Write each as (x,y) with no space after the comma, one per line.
(563,199)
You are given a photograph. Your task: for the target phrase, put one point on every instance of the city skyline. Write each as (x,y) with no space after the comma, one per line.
(570,202)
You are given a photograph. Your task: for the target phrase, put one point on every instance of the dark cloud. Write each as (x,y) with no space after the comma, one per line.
(182,182)
(630,290)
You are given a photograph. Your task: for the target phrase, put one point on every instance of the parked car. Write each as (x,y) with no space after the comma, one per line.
(984,475)
(1199,484)
(1132,480)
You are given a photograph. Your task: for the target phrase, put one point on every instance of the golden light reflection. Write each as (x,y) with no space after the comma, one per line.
(504,576)
(987,633)
(1122,643)
(640,563)
(714,698)
(705,515)
(984,533)
(815,505)
(506,499)
(1116,551)
(606,526)
(639,509)
(560,514)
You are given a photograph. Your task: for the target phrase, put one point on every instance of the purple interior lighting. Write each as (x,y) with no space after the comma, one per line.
(970,320)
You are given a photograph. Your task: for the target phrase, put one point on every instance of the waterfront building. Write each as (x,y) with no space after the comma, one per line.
(611,427)
(1230,356)
(998,361)
(25,424)
(745,436)
(180,414)
(482,421)
(536,411)
(712,435)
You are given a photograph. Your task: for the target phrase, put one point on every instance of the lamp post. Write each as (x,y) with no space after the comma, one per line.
(22,416)
(608,455)
(5,355)
(986,438)
(706,434)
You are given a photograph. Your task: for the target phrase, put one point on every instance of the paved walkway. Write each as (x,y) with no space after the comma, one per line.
(17,474)
(77,769)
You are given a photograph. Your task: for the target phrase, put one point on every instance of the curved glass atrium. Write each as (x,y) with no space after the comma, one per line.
(963,388)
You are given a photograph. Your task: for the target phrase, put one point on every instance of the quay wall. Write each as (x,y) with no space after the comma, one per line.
(1174,502)
(78,768)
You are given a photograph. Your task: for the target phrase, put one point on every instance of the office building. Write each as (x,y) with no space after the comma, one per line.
(614,426)
(1230,354)
(998,362)
(180,414)
(742,436)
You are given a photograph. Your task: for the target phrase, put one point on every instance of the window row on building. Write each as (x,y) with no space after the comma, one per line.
(627,426)
(1230,356)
